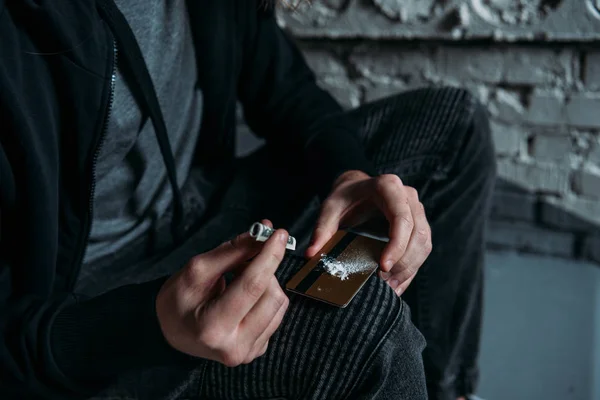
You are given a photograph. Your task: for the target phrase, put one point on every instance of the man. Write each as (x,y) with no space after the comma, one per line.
(121,204)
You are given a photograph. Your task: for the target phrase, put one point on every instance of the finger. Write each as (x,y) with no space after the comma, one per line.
(266,346)
(248,288)
(263,319)
(240,267)
(392,199)
(243,244)
(228,255)
(260,345)
(218,288)
(403,286)
(262,342)
(275,322)
(419,246)
(257,354)
(205,270)
(327,224)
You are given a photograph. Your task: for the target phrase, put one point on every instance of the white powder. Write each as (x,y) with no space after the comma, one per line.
(346,268)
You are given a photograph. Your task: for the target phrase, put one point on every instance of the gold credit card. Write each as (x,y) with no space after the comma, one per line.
(357,256)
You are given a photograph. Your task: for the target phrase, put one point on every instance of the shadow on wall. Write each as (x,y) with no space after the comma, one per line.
(536,223)
(521,220)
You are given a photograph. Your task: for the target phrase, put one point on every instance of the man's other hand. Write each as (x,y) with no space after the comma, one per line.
(201,316)
(357,197)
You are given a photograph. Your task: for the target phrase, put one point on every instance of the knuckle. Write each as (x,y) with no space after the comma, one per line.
(401,268)
(428,247)
(407,269)
(280,299)
(411,271)
(230,358)
(405,274)
(392,179)
(249,357)
(211,338)
(196,262)
(254,286)
(411,192)
(263,351)
(235,242)
(286,301)
(194,271)
(406,220)
(387,180)
(423,236)
(253,354)
(400,249)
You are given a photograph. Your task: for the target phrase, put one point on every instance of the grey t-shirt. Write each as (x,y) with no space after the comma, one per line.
(132,188)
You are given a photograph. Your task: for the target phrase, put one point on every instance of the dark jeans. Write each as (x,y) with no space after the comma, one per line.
(436,140)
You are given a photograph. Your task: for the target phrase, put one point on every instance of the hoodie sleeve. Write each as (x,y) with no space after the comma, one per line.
(61,347)
(283,104)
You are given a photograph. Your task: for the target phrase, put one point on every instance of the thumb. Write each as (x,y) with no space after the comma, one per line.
(229,255)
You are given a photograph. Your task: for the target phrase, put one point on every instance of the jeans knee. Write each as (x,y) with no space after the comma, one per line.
(387,319)
(396,327)
(394,368)
(479,144)
(410,333)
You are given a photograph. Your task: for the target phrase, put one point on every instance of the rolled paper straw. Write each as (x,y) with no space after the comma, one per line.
(262,232)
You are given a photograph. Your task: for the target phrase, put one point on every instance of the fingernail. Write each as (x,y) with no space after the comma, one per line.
(399,291)
(388,264)
(282,237)
(385,275)
(394,284)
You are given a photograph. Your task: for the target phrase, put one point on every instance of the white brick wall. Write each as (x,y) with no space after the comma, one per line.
(535,177)
(592,70)
(543,96)
(508,139)
(586,181)
(551,148)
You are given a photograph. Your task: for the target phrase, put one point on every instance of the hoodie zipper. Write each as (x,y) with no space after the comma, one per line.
(82,245)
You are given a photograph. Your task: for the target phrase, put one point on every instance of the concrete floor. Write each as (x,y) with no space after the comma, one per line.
(541,338)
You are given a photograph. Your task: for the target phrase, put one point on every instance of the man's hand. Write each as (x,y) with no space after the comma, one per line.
(202,317)
(356,197)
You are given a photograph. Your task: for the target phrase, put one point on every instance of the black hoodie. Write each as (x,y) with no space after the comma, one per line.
(56,63)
